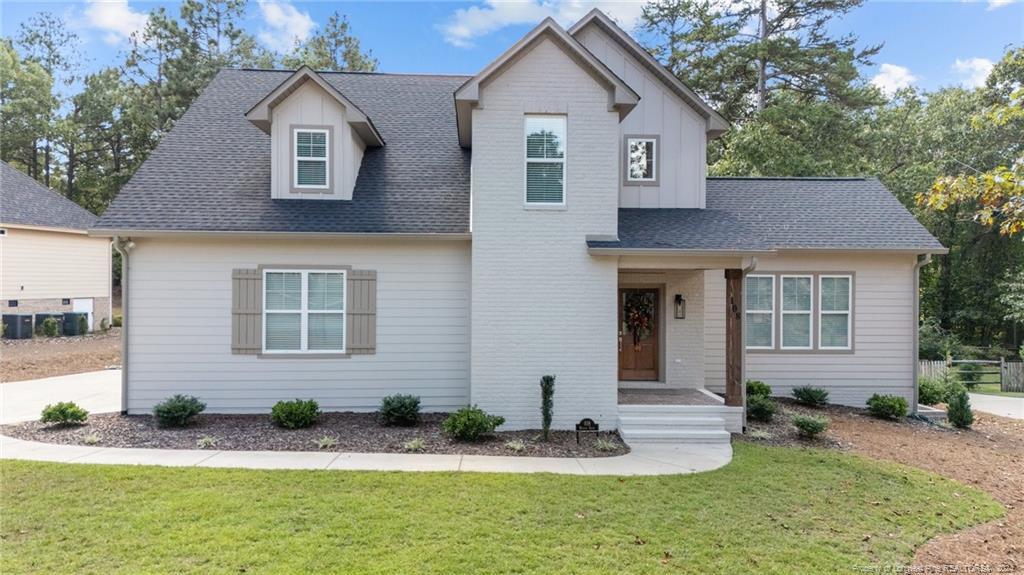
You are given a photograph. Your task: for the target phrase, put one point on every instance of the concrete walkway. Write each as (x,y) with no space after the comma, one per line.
(100,392)
(642,460)
(96,391)
(998,405)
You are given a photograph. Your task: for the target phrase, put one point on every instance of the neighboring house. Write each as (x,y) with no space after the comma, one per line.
(346,236)
(48,262)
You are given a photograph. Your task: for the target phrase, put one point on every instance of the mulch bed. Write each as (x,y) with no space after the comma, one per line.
(353,432)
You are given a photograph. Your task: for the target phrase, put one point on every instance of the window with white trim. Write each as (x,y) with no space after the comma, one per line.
(544,150)
(835,297)
(641,159)
(760,324)
(311,169)
(304,311)
(797,293)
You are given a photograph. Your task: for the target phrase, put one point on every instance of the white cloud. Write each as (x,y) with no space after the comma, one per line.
(972,71)
(891,78)
(115,17)
(284,25)
(997,4)
(467,24)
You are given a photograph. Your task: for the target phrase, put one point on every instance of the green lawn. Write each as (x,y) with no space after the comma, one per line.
(993,389)
(771,510)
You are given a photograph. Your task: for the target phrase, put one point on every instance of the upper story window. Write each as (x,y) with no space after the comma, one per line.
(545,160)
(304,311)
(641,159)
(311,168)
(835,309)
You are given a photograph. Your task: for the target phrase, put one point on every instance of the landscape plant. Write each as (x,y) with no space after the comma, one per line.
(761,408)
(810,395)
(471,423)
(414,445)
(887,406)
(931,390)
(810,426)
(757,387)
(177,410)
(295,414)
(64,413)
(958,408)
(399,409)
(50,327)
(547,402)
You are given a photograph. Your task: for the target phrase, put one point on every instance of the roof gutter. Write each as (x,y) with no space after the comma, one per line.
(123,247)
(922,260)
(143,233)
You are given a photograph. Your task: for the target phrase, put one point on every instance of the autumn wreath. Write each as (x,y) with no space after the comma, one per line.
(638,315)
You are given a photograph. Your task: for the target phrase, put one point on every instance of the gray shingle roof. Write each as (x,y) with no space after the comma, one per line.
(26,202)
(749,214)
(212,172)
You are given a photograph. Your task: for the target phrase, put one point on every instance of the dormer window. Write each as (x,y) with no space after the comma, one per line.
(642,160)
(311,168)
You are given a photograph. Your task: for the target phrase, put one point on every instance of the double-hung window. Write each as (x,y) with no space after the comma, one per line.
(545,160)
(760,312)
(797,293)
(312,168)
(641,160)
(835,308)
(304,311)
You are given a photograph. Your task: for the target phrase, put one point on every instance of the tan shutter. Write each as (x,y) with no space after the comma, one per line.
(246,312)
(361,326)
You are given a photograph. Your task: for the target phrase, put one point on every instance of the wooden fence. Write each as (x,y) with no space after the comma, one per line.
(1008,374)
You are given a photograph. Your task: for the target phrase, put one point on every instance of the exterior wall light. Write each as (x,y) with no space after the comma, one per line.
(680,307)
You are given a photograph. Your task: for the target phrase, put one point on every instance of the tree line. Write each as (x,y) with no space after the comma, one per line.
(793,91)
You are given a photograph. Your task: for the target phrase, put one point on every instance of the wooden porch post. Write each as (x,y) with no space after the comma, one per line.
(734,337)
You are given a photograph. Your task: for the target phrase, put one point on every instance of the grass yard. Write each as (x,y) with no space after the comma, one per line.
(993,389)
(770,510)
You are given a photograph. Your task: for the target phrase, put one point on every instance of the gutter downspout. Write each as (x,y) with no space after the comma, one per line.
(922,260)
(743,348)
(123,246)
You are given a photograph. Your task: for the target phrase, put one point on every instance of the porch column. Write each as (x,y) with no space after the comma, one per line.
(734,337)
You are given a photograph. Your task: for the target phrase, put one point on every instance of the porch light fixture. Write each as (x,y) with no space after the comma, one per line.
(680,307)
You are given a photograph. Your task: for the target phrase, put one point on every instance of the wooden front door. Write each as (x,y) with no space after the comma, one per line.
(638,334)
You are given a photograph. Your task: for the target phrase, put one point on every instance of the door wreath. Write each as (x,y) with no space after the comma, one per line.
(638,316)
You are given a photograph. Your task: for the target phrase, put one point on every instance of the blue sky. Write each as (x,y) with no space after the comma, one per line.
(927,44)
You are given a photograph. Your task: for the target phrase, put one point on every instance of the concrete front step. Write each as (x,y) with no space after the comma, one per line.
(665,421)
(676,436)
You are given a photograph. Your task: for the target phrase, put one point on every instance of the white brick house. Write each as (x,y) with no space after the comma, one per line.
(348,236)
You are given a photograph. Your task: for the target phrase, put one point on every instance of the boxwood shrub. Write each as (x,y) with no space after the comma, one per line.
(295,414)
(756,387)
(64,413)
(399,409)
(177,410)
(887,406)
(810,426)
(761,408)
(471,423)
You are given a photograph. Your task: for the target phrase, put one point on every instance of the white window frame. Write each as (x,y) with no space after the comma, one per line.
(304,312)
(654,153)
(848,313)
(326,159)
(783,313)
(770,312)
(562,160)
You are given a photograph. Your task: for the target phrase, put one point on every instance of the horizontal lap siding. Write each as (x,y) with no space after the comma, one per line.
(54,265)
(180,326)
(882,361)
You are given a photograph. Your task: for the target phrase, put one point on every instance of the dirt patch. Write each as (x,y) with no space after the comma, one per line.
(22,359)
(353,432)
(990,456)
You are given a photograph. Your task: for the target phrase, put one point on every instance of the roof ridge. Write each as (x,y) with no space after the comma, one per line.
(352,72)
(806,178)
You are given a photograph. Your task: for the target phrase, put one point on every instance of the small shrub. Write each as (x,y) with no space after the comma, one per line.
(602,444)
(118,320)
(400,409)
(104,324)
(809,395)
(326,442)
(64,413)
(810,426)
(91,439)
(177,410)
(958,408)
(931,390)
(970,374)
(547,403)
(887,406)
(295,414)
(83,325)
(761,408)
(470,423)
(206,442)
(759,388)
(50,327)
(414,445)
(760,435)
(517,445)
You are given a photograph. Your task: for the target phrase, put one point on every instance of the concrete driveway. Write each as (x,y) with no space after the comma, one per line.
(998,405)
(96,391)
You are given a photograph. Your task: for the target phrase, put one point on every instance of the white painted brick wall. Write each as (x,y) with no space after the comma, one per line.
(541,304)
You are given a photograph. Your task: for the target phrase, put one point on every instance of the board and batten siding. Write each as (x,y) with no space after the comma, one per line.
(882,359)
(180,326)
(660,112)
(36,264)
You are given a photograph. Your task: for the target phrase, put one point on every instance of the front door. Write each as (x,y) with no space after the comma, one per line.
(638,334)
